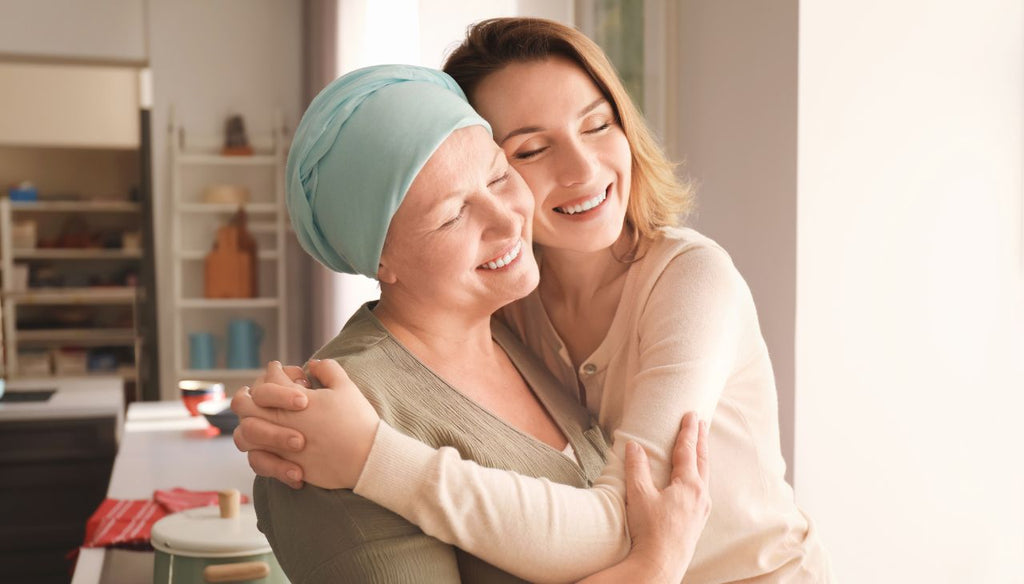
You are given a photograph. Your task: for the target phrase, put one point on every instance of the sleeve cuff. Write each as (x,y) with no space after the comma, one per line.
(397,465)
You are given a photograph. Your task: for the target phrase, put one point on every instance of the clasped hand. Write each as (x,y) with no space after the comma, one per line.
(297,434)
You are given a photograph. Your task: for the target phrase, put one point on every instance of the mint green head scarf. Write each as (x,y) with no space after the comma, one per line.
(359,146)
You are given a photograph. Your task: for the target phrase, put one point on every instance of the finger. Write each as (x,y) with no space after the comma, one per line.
(285,397)
(296,374)
(330,373)
(266,464)
(703,456)
(241,402)
(638,472)
(276,374)
(684,453)
(259,434)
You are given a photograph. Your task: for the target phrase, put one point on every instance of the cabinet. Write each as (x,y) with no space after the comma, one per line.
(194,170)
(70,310)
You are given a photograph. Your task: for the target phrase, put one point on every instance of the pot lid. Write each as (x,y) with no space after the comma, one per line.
(203,532)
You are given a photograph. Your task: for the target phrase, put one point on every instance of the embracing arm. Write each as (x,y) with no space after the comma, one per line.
(688,342)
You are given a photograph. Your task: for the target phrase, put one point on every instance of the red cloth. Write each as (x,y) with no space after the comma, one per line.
(126,523)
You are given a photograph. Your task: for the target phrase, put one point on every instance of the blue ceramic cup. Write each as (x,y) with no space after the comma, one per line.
(202,351)
(244,338)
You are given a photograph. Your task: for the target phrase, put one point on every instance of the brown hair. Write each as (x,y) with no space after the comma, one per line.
(657,198)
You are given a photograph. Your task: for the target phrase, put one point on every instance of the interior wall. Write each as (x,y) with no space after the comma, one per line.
(735,131)
(92,30)
(210,60)
(910,260)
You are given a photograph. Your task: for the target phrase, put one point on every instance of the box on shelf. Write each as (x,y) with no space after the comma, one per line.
(19,278)
(23,234)
(34,363)
(70,361)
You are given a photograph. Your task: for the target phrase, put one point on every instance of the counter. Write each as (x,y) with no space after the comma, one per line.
(162,447)
(76,397)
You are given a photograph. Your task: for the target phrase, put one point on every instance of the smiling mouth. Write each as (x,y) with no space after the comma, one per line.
(584,206)
(503,260)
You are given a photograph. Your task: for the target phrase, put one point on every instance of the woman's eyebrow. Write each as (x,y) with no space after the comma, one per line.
(592,106)
(520,132)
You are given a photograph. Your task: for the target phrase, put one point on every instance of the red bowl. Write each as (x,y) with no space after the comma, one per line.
(194,393)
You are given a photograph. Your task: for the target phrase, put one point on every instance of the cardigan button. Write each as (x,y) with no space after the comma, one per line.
(589,369)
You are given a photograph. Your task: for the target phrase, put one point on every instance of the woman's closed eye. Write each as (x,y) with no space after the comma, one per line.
(499,180)
(451,222)
(528,154)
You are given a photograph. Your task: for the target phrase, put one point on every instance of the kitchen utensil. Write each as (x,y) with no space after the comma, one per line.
(202,350)
(218,413)
(244,337)
(194,392)
(213,544)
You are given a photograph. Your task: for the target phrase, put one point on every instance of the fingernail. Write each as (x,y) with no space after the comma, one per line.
(303,382)
(295,443)
(293,475)
(300,401)
(244,388)
(632,447)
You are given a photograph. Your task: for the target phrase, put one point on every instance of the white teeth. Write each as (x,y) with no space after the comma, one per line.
(584,206)
(505,259)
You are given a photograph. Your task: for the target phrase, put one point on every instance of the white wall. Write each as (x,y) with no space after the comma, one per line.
(909,350)
(735,129)
(210,60)
(100,30)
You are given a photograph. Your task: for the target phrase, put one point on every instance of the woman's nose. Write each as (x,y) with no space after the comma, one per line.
(503,219)
(576,165)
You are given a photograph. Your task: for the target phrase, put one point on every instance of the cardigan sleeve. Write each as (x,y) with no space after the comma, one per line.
(687,341)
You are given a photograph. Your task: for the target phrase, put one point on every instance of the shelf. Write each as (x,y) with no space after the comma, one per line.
(79,336)
(216,374)
(98,295)
(220,160)
(128,373)
(76,254)
(268,254)
(76,206)
(218,208)
(229,302)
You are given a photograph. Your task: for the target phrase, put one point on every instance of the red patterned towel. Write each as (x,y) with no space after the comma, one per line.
(126,523)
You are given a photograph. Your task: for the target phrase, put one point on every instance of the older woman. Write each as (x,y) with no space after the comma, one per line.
(639,319)
(394,176)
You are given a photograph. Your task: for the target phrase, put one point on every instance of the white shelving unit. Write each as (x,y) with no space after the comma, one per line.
(194,225)
(47,214)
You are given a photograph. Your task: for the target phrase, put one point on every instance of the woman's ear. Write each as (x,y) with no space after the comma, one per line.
(385,275)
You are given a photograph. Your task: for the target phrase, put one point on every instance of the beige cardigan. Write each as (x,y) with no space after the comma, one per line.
(322,535)
(685,337)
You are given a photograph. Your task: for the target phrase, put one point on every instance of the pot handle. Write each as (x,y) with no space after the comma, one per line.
(237,572)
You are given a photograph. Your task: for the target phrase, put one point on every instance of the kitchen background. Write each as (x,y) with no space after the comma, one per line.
(862,161)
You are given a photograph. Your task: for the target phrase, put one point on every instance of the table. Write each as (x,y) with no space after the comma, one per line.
(162,447)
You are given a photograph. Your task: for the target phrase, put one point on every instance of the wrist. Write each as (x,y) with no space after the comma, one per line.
(656,566)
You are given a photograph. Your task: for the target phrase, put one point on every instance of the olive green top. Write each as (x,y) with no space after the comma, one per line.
(321,535)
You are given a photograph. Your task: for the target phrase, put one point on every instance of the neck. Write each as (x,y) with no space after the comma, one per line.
(436,336)
(573,278)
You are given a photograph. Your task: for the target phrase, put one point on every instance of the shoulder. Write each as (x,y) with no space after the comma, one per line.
(359,337)
(683,260)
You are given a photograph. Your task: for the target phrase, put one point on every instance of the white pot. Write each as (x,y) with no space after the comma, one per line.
(199,545)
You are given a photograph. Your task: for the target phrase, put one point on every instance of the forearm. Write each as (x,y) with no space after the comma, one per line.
(499,516)
(638,568)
